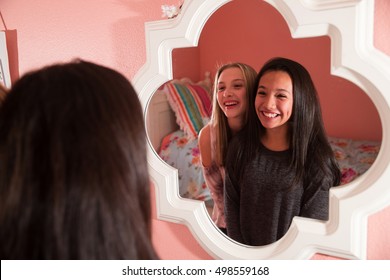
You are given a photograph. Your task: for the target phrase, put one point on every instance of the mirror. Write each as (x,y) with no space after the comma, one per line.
(363,66)
(339,97)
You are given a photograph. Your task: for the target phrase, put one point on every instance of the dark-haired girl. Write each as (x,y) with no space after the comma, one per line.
(281,165)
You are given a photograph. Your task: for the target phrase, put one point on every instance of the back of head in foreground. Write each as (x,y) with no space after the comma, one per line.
(3,92)
(74,180)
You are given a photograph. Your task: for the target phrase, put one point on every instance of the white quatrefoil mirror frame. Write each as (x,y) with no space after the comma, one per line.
(349,24)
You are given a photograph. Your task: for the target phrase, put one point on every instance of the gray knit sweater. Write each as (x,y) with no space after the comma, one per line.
(259,209)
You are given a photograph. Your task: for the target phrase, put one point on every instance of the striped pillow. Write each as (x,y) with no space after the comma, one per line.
(191,104)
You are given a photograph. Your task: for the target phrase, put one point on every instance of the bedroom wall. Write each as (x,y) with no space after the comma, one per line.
(112,33)
(225,38)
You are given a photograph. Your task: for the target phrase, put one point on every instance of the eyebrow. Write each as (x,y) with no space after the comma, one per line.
(278,89)
(235,80)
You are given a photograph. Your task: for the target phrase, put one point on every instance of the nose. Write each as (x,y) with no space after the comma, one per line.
(227,92)
(269,102)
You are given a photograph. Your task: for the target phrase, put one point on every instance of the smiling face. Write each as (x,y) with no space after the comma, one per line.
(231,94)
(274,101)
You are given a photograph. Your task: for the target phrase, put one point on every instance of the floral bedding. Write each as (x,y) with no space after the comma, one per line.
(182,152)
(354,156)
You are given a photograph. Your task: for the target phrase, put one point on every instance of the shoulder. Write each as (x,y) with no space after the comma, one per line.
(204,143)
(204,134)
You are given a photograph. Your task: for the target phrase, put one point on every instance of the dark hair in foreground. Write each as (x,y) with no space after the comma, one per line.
(3,92)
(74,180)
(309,144)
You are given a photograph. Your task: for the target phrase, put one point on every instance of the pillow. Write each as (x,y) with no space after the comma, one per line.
(191,104)
(203,97)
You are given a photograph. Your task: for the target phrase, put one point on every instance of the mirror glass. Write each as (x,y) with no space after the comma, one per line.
(252,32)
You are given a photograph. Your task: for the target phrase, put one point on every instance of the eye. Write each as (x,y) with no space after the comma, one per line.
(221,88)
(261,92)
(238,86)
(282,96)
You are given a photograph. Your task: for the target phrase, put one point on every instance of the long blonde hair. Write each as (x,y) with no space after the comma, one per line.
(218,118)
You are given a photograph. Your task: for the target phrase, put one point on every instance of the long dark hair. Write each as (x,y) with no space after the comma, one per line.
(74,180)
(309,145)
(3,92)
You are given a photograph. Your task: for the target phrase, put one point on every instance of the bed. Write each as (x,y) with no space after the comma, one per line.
(180,108)
(176,113)
(353,156)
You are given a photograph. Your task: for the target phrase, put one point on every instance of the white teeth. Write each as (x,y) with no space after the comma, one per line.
(230,103)
(270,115)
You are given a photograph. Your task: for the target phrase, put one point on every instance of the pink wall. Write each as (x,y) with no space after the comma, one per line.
(112,33)
(225,38)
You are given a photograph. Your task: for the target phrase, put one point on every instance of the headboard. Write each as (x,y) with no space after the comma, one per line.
(160,118)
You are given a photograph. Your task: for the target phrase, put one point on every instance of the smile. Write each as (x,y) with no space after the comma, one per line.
(230,103)
(270,115)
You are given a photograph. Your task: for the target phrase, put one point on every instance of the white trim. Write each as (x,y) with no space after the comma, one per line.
(5,76)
